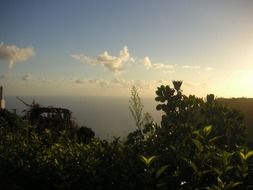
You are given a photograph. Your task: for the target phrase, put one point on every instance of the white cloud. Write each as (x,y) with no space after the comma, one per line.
(191,67)
(13,54)
(83,59)
(115,83)
(168,71)
(79,81)
(208,68)
(112,63)
(115,64)
(2,76)
(162,66)
(46,81)
(104,83)
(92,81)
(161,81)
(122,82)
(148,64)
(142,84)
(98,82)
(27,77)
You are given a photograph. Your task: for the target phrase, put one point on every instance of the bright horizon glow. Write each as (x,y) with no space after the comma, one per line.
(103,48)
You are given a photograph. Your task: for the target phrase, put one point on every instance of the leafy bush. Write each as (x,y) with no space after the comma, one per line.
(199,145)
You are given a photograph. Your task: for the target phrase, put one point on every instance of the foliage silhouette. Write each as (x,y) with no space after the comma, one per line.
(200,144)
(85,134)
(136,108)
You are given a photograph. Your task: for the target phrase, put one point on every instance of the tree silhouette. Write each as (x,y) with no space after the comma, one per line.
(85,134)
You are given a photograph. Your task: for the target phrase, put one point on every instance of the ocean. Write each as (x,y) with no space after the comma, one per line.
(106,116)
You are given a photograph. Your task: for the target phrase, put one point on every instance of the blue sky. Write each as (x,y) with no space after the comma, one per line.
(102,48)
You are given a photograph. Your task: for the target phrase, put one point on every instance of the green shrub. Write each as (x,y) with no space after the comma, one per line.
(199,145)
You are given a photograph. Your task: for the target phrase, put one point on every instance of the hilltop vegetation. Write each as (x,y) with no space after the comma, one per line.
(245,106)
(200,144)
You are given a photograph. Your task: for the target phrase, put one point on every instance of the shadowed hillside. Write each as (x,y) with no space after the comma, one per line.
(245,105)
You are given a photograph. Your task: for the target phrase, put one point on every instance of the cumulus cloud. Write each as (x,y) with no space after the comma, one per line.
(208,69)
(2,76)
(162,66)
(104,83)
(98,82)
(168,71)
(92,81)
(13,54)
(142,84)
(27,77)
(79,81)
(129,83)
(148,64)
(83,59)
(115,64)
(122,82)
(190,67)
(161,81)
(115,83)
(46,81)
(112,63)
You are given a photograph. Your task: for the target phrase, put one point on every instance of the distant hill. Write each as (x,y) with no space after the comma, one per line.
(245,105)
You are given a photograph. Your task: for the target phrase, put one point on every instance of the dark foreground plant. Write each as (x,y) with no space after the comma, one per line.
(199,145)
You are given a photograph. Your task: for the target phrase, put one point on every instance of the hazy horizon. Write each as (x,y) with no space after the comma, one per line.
(107,116)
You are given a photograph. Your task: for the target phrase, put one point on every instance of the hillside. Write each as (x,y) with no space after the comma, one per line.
(245,105)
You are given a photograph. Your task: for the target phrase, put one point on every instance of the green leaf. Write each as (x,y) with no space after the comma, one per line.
(161,170)
(228,168)
(160,185)
(147,161)
(232,185)
(196,132)
(143,159)
(214,139)
(151,159)
(207,130)
(56,162)
(198,144)
(217,171)
(236,184)
(249,154)
(220,182)
(173,148)
(192,164)
(242,156)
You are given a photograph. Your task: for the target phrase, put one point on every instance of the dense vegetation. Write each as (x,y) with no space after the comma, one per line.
(200,144)
(245,105)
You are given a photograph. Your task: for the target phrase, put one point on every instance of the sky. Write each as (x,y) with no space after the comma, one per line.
(103,48)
